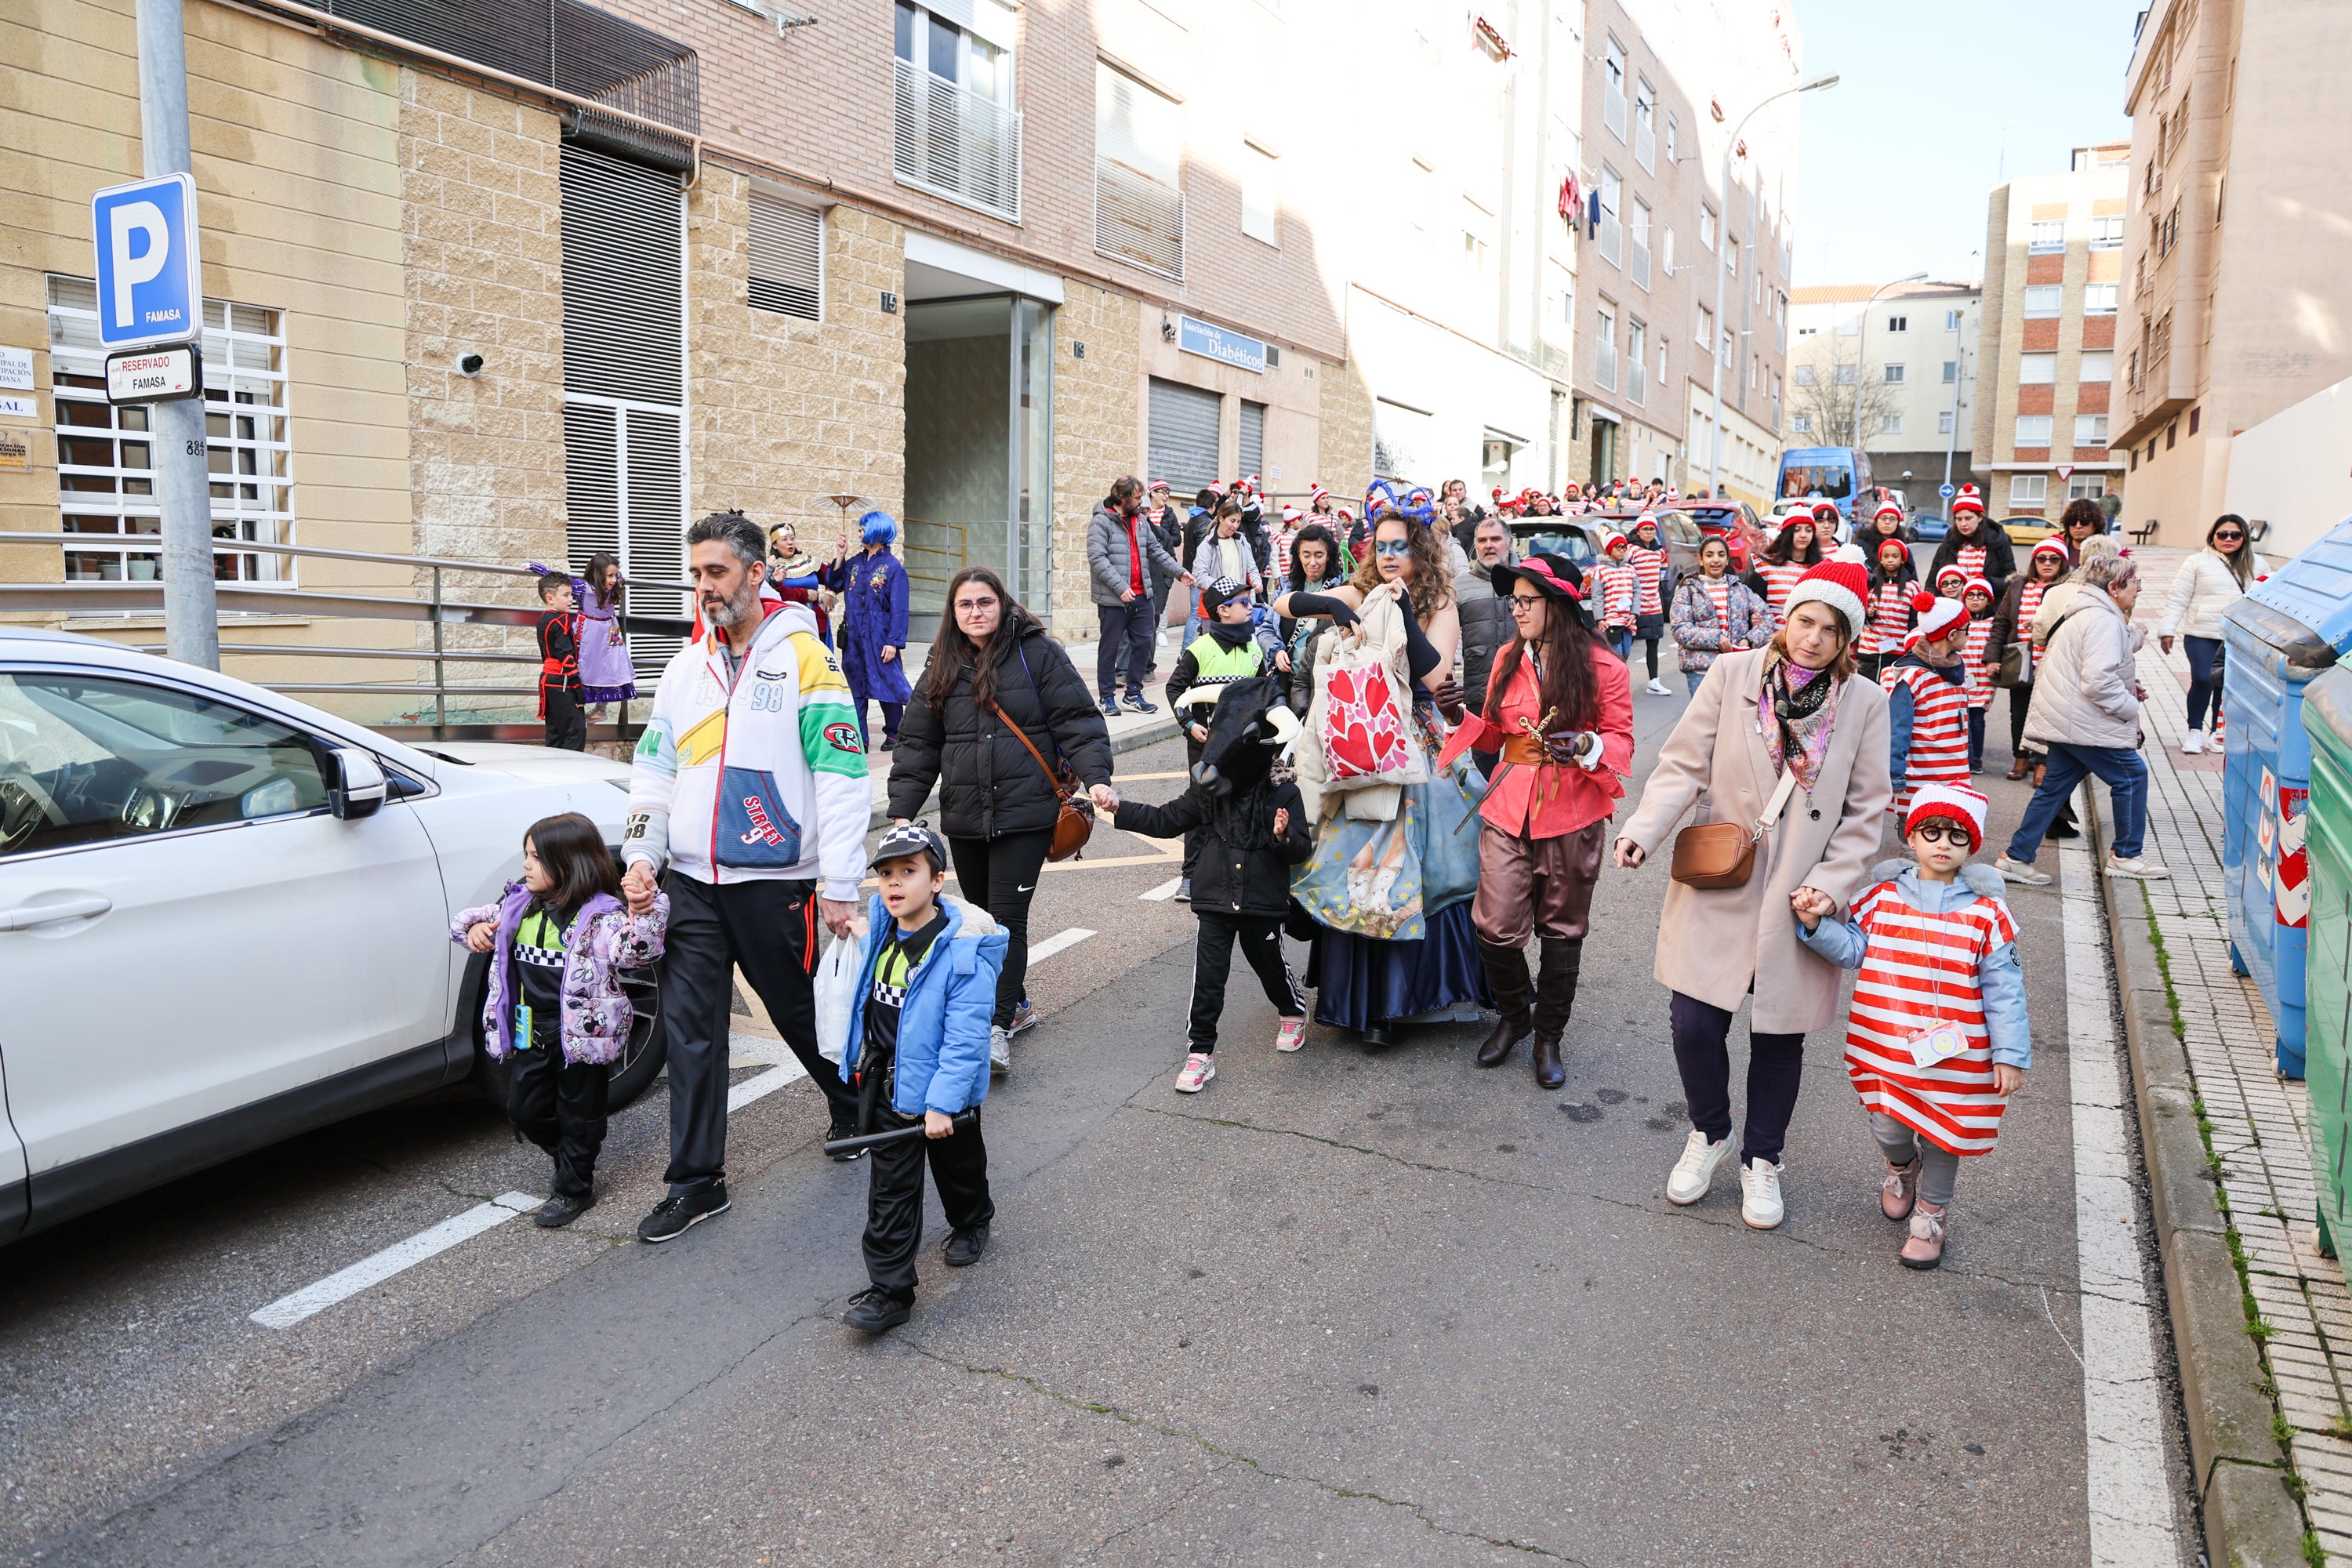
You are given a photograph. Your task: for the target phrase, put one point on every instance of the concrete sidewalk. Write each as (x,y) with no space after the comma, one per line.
(2255,1130)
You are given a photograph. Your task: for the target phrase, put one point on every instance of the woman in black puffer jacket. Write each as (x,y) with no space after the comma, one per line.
(996,805)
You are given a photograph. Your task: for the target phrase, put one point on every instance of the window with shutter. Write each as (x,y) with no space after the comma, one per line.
(1183,436)
(1253,437)
(786,258)
(1139,162)
(957,132)
(623,377)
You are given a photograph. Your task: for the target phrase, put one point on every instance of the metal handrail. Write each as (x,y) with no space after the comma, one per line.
(249,547)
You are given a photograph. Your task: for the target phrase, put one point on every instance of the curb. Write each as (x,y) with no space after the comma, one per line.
(2251,1521)
(1134,739)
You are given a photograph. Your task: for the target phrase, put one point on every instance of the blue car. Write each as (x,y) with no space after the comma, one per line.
(1930,530)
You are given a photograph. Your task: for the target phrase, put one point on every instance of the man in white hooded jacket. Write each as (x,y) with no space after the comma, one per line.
(749,785)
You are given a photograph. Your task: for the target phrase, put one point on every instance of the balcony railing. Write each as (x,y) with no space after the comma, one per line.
(955,143)
(1612,237)
(1605,365)
(1640,270)
(1138,220)
(1637,382)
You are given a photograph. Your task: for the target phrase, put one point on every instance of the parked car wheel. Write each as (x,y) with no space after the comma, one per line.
(633,1070)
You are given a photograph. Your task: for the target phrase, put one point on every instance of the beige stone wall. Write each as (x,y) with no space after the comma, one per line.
(1344,450)
(1097,434)
(783,410)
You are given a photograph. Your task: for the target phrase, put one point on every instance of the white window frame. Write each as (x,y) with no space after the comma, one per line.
(2108,232)
(1892,373)
(1952,321)
(1952,372)
(248,443)
(1261,195)
(1645,124)
(2029,489)
(2096,366)
(1604,346)
(1612,87)
(1704,329)
(2046,236)
(2090,432)
(1637,234)
(775,251)
(1707,226)
(2101,298)
(1944,421)
(2037,370)
(2040,302)
(1804,373)
(2033,430)
(1890,423)
(982,97)
(1898,323)
(1613,197)
(1802,424)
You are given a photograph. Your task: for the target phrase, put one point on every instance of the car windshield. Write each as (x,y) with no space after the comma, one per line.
(1548,536)
(1834,481)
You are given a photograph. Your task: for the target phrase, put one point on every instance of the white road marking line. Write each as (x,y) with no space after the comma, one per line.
(2130,1496)
(1040,952)
(1166,890)
(288,1310)
(762,1085)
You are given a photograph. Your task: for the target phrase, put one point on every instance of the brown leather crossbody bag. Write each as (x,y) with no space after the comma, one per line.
(1710,854)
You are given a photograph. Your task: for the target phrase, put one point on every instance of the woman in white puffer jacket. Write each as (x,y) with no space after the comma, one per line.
(2206,584)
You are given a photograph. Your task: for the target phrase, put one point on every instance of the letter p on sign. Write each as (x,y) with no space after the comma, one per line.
(150,287)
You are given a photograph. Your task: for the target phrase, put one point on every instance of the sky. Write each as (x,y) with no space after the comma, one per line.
(1896,160)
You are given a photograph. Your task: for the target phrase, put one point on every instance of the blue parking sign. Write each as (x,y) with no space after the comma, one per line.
(149,275)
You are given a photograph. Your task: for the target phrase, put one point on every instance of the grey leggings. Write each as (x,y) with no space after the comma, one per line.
(1900,1145)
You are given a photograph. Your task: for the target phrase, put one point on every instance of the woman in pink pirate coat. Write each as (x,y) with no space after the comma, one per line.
(1937,1039)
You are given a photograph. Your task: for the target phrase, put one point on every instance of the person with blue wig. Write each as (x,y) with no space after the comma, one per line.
(873,589)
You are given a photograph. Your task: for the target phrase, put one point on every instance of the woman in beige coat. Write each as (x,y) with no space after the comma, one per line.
(1798,700)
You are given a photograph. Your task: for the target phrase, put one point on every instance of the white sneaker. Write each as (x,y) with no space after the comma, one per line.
(2194,745)
(1000,1049)
(1658,689)
(1194,1075)
(2019,872)
(1694,1174)
(2140,867)
(1759,1195)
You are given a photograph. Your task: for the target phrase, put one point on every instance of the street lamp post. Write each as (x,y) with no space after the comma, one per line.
(1861,350)
(1723,237)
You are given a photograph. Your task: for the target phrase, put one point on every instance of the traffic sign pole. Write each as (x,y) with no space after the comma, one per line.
(182,486)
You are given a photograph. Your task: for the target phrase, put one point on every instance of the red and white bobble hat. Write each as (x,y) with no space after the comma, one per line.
(1968,501)
(1976,586)
(1250,483)
(1952,802)
(1291,515)
(1952,575)
(1157,486)
(1316,493)
(1890,507)
(1649,516)
(1823,506)
(1936,617)
(1840,583)
(2052,546)
(1614,540)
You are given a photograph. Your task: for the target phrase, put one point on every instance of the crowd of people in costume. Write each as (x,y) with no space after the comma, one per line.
(1407,744)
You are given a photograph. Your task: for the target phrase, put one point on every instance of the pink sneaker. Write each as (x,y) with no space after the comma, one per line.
(1293,1035)
(1194,1076)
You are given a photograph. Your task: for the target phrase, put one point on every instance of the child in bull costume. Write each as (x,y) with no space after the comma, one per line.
(1232,647)
(872,587)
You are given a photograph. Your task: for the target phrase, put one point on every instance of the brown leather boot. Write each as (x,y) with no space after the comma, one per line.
(1506,972)
(1564,958)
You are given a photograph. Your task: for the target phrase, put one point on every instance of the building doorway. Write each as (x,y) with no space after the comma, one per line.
(1604,451)
(979,422)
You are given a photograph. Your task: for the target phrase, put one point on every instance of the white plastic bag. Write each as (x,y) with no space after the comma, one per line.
(837,974)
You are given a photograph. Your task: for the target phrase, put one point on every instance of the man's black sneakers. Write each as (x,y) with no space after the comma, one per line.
(836,1132)
(874,1310)
(964,1247)
(561,1209)
(681,1212)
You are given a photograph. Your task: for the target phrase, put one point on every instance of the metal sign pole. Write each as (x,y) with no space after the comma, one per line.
(182,487)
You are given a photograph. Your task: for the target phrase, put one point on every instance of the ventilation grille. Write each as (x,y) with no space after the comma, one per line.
(787,259)
(1138,220)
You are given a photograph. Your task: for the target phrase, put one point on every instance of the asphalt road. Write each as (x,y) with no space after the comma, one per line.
(1372,1307)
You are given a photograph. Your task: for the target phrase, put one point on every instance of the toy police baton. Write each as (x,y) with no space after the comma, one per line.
(963,1119)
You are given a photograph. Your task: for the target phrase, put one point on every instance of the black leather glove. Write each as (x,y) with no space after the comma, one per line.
(1447,694)
(1567,747)
(1329,605)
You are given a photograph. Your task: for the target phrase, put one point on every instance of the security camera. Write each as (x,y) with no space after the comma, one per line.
(469,364)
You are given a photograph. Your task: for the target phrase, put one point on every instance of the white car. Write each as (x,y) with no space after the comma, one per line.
(225,916)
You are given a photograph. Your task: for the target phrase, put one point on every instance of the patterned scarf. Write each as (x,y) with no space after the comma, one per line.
(1795,712)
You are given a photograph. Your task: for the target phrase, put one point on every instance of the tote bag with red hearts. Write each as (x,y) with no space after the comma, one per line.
(1366,735)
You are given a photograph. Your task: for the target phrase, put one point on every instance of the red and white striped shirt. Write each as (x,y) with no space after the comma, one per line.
(1618,594)
(1780,576)
(1890,618)
(1972,558)
(1719,590)
(1939,731)
(1649,577)
(2029,601)
(1973,654)
(1921,970)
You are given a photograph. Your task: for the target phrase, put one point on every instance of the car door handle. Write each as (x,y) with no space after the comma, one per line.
(25,916)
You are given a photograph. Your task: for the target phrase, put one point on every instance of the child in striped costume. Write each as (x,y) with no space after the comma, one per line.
(1886,607)
(1937,1039)
(1795,550)
(1976,597)
(1926,688)
(1650,563)
(1615,588)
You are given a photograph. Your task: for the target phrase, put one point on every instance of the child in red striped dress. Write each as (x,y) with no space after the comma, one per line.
(1937,1039)
(1976,597)
(1886,607)
(1926,686)
(1650,567)
(1615,587)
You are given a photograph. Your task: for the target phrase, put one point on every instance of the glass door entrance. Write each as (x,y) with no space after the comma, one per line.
(980,425)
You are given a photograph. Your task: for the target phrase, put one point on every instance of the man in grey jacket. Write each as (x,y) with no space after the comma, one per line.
(1121,555)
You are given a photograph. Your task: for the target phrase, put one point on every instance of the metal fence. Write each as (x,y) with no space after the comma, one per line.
(433,607)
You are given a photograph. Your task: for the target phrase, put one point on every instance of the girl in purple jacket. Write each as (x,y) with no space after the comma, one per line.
(558,939)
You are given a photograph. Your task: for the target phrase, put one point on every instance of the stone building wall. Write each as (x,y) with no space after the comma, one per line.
(1097,433)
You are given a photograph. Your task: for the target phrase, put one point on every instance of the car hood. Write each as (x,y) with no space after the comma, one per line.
(535,764)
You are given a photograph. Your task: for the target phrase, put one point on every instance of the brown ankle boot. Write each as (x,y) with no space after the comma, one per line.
(1564,958)
(1506,972)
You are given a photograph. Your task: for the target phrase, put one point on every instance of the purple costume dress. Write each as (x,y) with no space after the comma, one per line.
(607,674)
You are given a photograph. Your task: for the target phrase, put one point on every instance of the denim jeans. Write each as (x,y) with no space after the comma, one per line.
(1621,643)
(2204,680)
(1123,626)
(1691,677)
(2126,780)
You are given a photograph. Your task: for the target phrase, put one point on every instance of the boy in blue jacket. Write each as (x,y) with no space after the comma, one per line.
(918,1053)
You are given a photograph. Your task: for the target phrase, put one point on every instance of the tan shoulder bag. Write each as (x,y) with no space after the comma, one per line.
(1722,854)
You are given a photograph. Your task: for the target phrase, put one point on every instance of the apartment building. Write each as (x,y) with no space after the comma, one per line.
(2237,297)
(2053,271)
(1891,368)
(1665,94)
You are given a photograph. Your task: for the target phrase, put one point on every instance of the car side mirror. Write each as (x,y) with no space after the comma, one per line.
(357,786)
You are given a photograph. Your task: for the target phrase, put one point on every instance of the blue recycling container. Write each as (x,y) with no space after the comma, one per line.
(2288,630)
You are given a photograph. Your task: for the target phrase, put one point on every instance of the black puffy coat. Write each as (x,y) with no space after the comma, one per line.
(2000,556)
(1244,867)
(1486,627)
(989,784)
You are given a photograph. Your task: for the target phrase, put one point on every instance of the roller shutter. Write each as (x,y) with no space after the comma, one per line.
(1183,436)
(1253,437)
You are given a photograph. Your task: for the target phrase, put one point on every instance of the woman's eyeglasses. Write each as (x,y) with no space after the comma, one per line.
(1394,547)
(975,606)
(2227,537)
